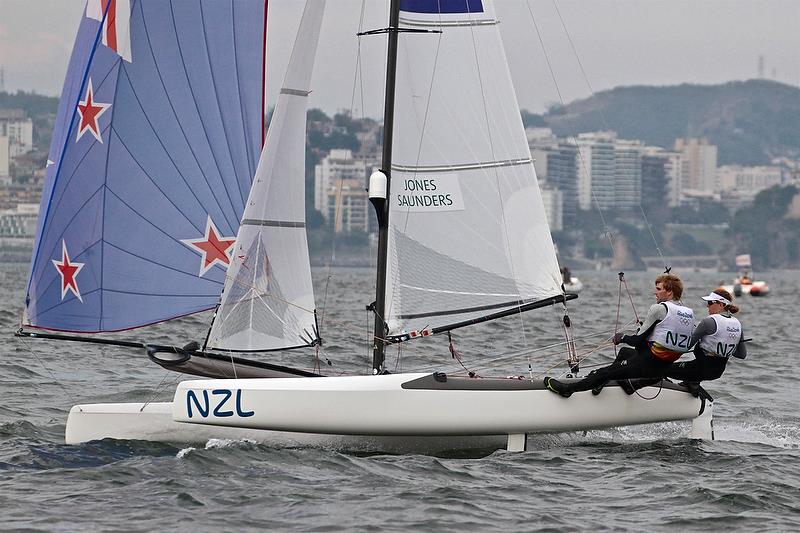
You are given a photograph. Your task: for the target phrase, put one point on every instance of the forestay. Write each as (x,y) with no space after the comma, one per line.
(468,234)
(268,301)
(156,141)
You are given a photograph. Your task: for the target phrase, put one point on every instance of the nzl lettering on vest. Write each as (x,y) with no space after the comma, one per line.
(431,193)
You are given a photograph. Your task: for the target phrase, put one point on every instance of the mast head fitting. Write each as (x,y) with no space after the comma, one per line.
(377,185)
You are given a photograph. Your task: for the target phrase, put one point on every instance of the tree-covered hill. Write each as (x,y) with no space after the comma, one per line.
(41,109)
(750,121)
(769,230)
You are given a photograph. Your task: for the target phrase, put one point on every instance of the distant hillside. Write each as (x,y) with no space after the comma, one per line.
(750,121)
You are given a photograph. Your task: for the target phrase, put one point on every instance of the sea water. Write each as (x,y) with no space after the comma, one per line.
(645,478)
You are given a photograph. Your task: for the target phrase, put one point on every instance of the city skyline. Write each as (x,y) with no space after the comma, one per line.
(618,42)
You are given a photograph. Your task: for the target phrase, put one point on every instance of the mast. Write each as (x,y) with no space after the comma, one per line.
(382,204)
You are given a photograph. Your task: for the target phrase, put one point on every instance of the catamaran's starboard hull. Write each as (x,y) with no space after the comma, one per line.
(395,413)
(416,404)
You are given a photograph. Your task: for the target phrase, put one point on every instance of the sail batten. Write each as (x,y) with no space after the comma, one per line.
(273,223)
(463,166)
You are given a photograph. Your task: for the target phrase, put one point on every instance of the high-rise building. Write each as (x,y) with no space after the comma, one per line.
(562,173)
(541,142)
(660,172)
(739,185)
(699,164)
(5,177)
(338,164)
(348,206)
(627,174)
(596,169)
(15,125)
(553,200)
(340,194)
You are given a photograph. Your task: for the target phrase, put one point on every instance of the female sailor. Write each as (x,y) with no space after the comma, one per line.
(717,337)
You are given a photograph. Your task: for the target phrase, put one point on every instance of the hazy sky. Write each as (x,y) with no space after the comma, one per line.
(618,42)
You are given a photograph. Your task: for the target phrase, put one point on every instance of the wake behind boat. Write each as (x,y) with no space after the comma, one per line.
(145,139)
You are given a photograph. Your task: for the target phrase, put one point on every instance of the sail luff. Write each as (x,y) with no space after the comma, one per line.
(56,165)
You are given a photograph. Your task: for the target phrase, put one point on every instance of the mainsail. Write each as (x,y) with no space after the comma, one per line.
(157,138)
(468,234)
(268,301)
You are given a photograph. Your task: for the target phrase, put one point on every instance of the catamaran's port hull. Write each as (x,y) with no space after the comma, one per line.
(388,413)
(130,421)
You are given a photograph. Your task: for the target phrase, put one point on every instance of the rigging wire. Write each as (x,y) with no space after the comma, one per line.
(605,123)
(358,81)
(158,387)
(606,232)
(52,376)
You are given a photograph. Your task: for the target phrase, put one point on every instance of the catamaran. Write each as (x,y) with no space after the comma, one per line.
(161,202)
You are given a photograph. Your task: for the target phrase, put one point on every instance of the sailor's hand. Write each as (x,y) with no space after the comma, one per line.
(617,337)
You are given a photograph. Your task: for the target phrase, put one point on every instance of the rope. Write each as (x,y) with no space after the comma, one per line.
(457,356)
(606,232)
(635,314)
(156,390)
(52,376)
(660,388)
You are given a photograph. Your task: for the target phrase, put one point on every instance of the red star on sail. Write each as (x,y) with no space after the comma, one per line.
(89,112)
(68,272)
(214,249)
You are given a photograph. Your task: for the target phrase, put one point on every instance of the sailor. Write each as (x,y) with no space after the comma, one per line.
(566,275)
(661,339)
(716,338)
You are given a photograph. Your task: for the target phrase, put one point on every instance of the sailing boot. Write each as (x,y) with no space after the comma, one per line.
(556,386)
(598,388)
(693,388)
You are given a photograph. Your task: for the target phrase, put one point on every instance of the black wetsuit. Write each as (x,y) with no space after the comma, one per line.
(631,362)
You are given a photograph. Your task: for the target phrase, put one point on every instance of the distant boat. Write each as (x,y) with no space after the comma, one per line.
(744,282)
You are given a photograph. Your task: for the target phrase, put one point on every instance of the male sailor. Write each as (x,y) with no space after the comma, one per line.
(661,339)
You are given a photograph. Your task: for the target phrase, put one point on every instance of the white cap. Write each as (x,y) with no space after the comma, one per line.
(714,297)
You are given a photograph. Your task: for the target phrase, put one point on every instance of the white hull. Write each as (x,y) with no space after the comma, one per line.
(372,413)
(153,422)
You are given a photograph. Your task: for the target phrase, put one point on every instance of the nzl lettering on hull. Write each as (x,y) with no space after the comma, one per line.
(218,404)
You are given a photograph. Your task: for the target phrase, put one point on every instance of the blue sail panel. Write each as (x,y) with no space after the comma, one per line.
(152,159)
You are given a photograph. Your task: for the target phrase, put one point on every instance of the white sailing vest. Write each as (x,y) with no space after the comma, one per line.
(675,331)
(725,340)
